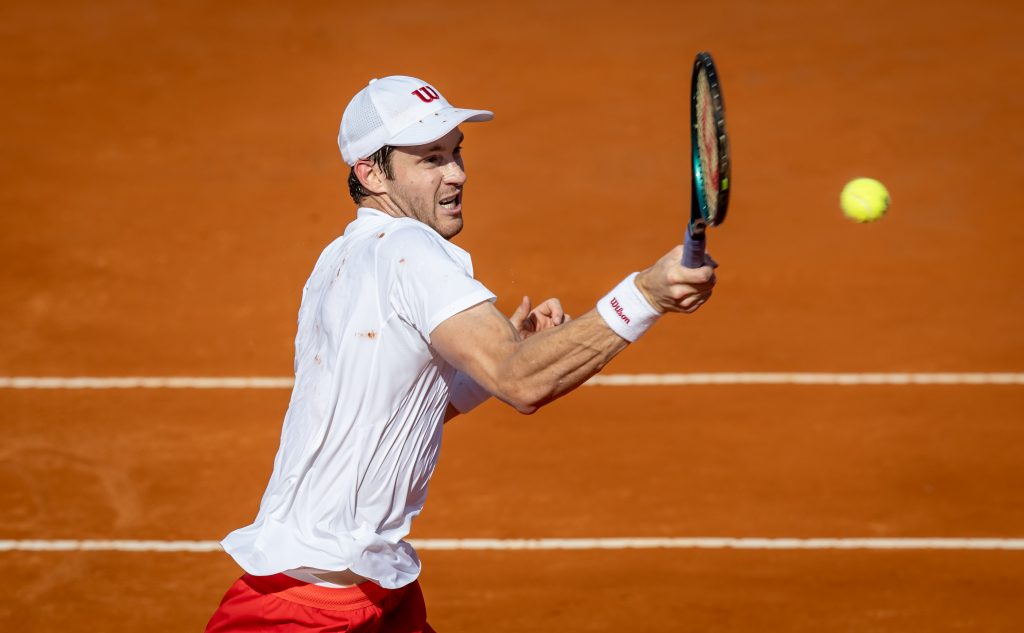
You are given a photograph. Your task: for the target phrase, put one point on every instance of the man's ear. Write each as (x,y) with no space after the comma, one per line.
(370,176)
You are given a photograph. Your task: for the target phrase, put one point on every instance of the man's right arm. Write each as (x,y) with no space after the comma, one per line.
(528,373)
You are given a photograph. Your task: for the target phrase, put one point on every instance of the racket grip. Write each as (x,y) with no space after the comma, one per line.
(693,250)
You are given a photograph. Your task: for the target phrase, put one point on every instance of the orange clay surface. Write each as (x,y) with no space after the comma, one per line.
(168,176)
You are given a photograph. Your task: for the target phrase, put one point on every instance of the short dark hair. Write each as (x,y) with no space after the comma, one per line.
(381,157)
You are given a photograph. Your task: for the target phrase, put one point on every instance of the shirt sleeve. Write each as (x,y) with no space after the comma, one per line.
(433,279)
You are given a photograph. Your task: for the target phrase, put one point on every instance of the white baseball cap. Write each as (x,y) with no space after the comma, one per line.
(400,111)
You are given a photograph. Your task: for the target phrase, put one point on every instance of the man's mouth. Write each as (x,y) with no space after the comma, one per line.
(451,202)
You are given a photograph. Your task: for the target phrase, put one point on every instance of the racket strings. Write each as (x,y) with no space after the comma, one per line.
(707,144)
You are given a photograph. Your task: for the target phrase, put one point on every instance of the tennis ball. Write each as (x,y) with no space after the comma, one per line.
(864,200)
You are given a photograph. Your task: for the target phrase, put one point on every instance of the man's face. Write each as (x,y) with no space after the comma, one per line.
(428,181)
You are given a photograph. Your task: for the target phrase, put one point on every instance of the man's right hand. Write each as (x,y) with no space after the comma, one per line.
(671,287)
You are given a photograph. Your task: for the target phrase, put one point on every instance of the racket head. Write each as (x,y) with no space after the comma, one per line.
(710,146)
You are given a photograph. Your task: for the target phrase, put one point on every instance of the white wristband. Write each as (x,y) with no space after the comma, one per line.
(626,310)
(465,394)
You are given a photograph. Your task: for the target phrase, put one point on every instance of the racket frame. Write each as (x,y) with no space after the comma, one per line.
(700,212)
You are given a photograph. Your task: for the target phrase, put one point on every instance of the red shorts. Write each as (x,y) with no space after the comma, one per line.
(282,604)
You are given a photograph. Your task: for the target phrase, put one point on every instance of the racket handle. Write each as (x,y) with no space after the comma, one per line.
(693,249)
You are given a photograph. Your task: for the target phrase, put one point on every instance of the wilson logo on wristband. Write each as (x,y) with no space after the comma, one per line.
(626,310)
(618,310)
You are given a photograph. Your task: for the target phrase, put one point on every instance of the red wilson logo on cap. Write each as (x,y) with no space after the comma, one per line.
(426,94)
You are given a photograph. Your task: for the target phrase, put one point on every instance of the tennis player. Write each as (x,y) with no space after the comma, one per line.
(395,337)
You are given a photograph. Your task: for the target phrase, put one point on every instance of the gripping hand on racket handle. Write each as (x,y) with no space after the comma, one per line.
(670,286)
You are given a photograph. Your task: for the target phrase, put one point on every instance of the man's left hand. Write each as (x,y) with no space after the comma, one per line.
(529,321)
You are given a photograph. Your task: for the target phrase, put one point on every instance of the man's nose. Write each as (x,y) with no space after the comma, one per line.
(454,174)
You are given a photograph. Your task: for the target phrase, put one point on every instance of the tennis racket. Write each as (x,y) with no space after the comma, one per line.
(710,150)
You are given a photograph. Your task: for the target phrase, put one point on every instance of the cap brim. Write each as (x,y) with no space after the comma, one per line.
(436,125)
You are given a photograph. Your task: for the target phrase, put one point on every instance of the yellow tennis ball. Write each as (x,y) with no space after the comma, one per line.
(864,200)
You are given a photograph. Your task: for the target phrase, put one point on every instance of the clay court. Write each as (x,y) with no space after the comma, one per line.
(170,175)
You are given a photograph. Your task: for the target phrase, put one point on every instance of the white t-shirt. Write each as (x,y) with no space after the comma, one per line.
(363,429)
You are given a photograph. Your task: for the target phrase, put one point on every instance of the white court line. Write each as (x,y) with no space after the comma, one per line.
(144,382)
(842,379)
(605,380)
(563,544)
